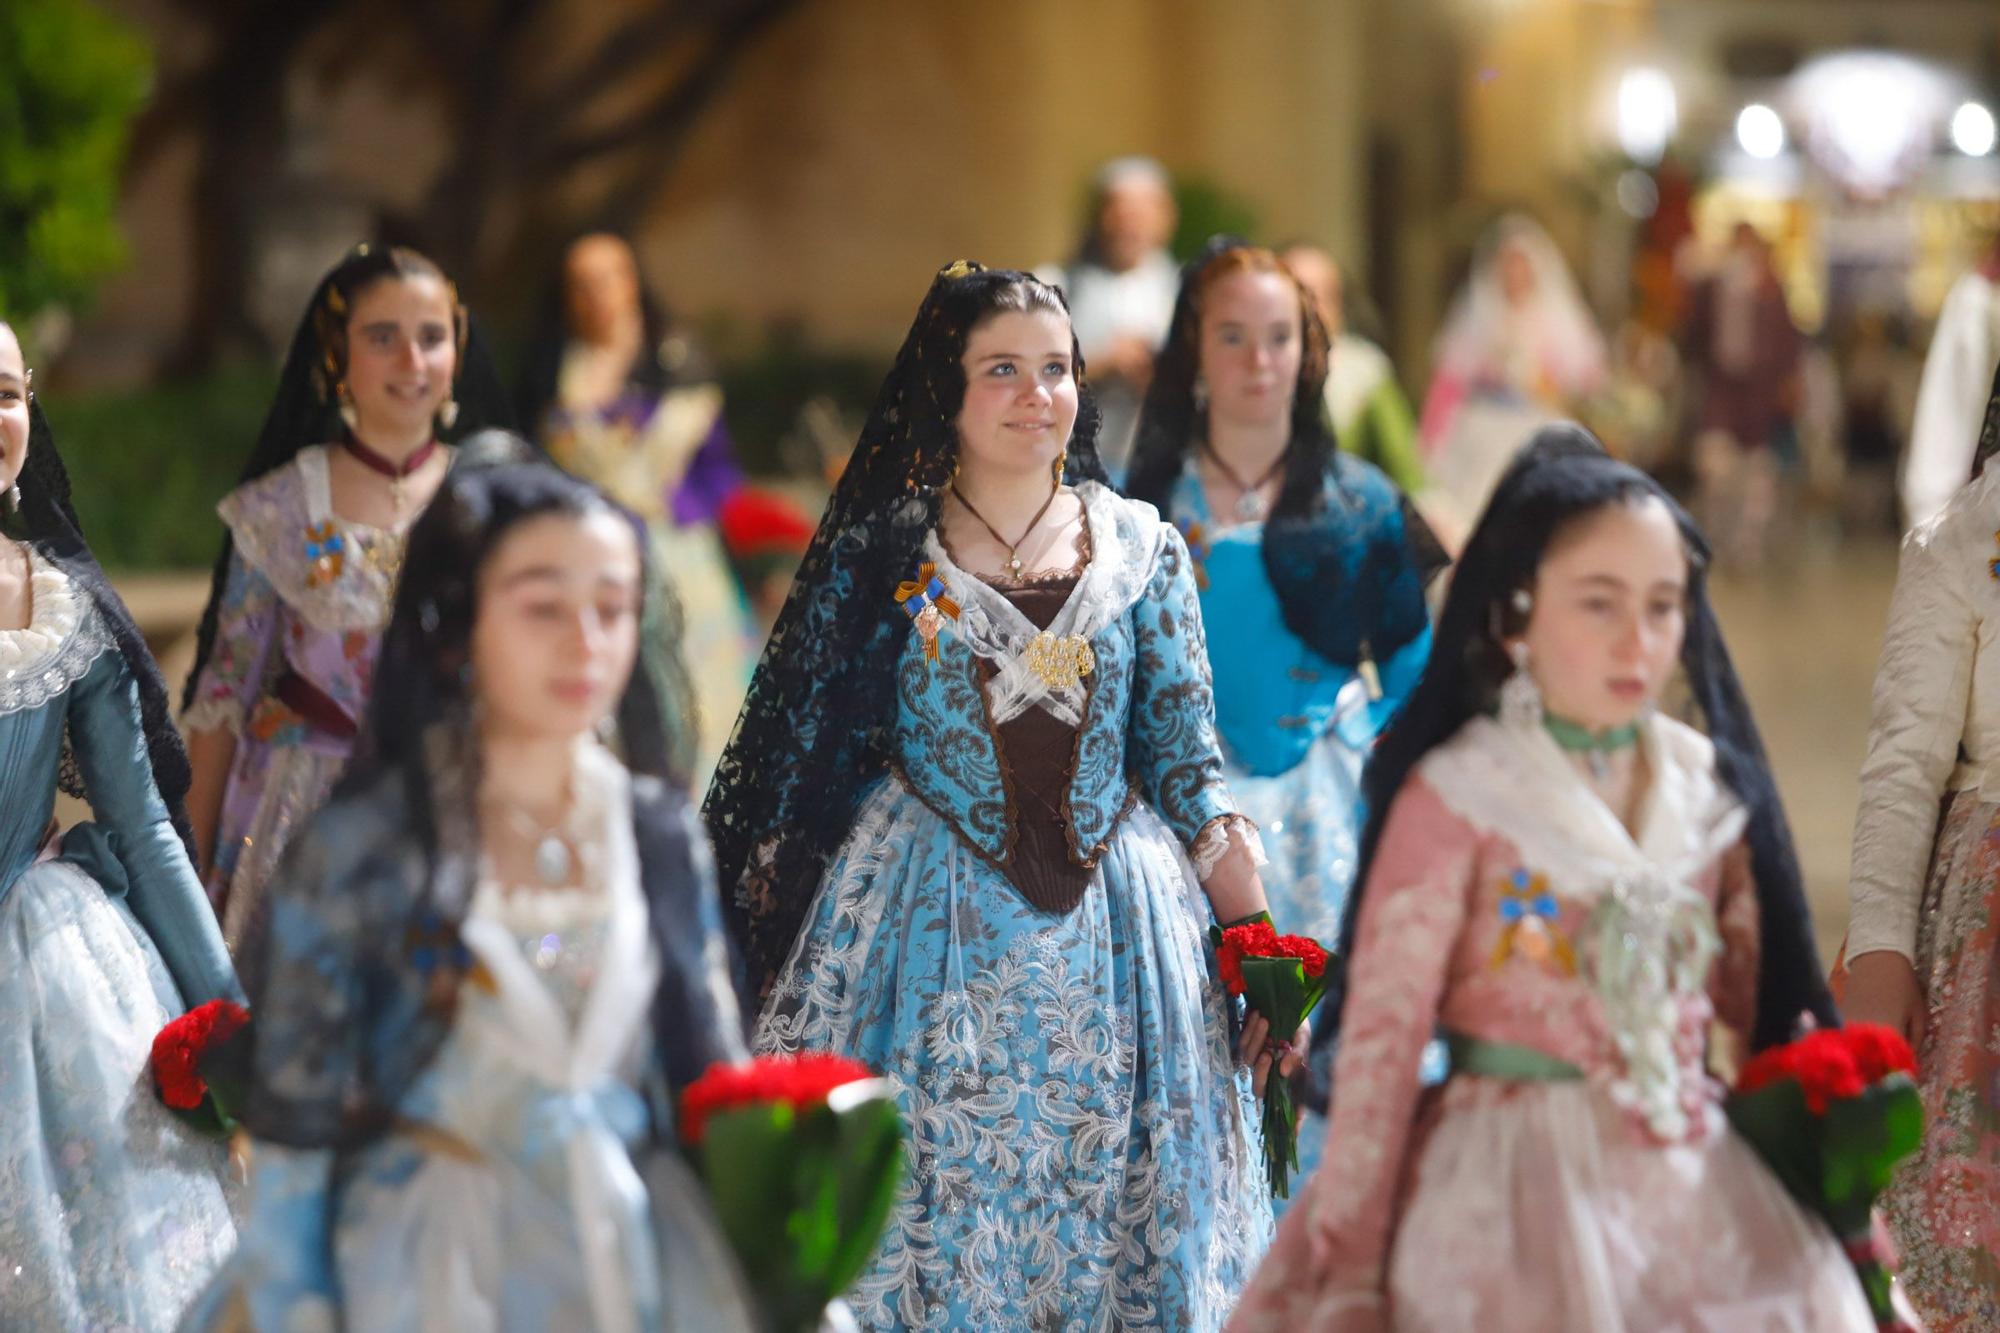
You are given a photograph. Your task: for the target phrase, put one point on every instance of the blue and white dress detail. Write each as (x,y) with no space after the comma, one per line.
(1296,727)
(112,1215)
(508,1197)
(1083,1149)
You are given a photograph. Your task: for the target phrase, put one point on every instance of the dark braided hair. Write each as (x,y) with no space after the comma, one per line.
(819,721)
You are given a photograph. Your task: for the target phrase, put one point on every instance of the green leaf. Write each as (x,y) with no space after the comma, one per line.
(803,1198)
(72,78)
(1776,1123)
(1863,1140)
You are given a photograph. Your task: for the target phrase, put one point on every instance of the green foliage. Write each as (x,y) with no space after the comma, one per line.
(803,1197)
(1208,209)
(767,385)
(147,466)
(71,79)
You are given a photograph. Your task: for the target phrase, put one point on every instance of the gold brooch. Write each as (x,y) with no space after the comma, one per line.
(1061,663)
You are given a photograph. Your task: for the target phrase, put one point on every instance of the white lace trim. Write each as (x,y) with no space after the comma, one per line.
(526,909)
(1651,936)
(1214,841)
(57,647)
(1126,538)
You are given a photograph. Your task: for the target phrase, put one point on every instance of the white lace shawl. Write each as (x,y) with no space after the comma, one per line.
(1126,538)
(1651,936)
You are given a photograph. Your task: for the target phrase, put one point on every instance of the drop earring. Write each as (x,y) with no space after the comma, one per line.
(448,414)
(1200,394)
(347,412)
(1520,697)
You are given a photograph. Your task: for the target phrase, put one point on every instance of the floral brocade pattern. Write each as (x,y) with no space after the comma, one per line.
(1080,1144)
(1944,1205)
(279,617)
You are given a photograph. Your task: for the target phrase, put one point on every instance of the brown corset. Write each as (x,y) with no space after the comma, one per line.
(1038,755)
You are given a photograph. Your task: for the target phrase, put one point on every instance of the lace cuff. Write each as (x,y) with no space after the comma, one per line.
(1212,843)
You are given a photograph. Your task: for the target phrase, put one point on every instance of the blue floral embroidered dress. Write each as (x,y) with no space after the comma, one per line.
(112,1215)
(1082,1147)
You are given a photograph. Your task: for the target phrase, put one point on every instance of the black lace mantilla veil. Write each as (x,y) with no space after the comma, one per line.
(305,411)
(819,721)
(47,520)
(1989,430)
(1334,592)
(1560,473)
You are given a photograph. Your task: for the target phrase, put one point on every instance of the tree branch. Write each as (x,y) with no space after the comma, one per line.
(672,111)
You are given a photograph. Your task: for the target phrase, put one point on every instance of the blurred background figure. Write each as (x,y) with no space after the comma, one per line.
(1519,348)
(1365,407)
(1740,339)
(1965,348)
(1121,287)
(1878,384)
(619,396)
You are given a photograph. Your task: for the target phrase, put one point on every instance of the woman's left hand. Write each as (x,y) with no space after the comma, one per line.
(1252,1050)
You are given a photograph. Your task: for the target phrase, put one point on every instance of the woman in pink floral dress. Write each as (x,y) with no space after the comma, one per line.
(379,372)
(1923,941)
(1594,902)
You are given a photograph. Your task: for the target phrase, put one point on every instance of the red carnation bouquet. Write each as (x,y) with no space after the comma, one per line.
(1282,977)
(802,1156)
(190,1055)
(1832,1114)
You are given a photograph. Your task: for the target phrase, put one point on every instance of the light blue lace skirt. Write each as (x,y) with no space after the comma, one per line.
(111,1214)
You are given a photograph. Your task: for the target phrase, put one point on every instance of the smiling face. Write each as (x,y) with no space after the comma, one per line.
(557,627)
(1252,336)
(1609,613)
(13,409)
(1020,393)
(401,355)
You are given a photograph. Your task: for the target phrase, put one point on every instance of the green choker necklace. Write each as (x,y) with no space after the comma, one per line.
(1596,747)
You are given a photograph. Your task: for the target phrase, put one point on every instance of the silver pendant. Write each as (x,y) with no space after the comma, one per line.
(552,861)
(1250,506)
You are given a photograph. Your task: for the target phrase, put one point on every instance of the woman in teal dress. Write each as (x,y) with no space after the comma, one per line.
(112,1215)
(1311,566)
(975,827)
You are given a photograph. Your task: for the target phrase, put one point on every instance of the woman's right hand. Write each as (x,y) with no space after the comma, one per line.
(1882,988)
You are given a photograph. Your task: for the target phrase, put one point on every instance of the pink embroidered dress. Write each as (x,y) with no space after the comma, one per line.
(304,604)
(1575,1174)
